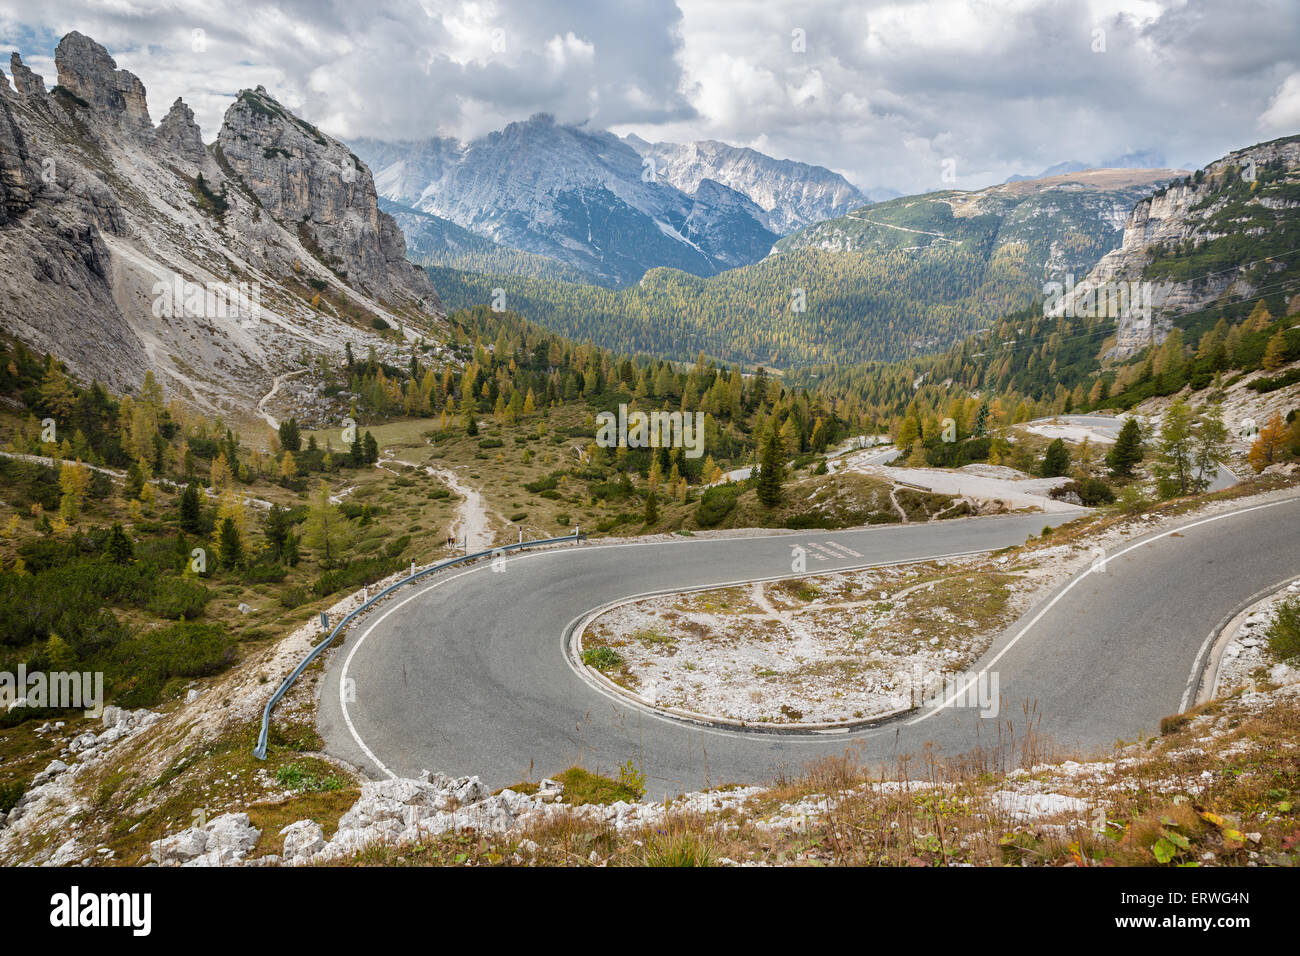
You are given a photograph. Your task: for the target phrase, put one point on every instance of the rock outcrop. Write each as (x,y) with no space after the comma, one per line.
(25,81)
(94,242)
(1186,214)
(89,73)
(310,182)
(178,132)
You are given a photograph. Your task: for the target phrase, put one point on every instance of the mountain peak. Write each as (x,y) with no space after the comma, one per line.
(25,81)
(88,72)
(180,133)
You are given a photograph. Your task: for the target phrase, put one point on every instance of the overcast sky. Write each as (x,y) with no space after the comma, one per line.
(882,92)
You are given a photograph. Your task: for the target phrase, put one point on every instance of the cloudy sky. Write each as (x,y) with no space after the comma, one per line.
(891,94)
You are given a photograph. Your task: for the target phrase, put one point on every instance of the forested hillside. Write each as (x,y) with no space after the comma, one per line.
(845,291)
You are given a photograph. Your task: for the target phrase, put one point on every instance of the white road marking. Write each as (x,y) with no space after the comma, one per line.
(961,691)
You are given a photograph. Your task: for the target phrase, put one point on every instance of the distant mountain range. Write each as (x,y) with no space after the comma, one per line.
(610,208)
(1140,159)
(886,281)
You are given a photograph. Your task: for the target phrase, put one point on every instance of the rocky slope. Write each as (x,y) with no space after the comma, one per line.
(584,198)
(126,247)
(1204,238)
(791,194)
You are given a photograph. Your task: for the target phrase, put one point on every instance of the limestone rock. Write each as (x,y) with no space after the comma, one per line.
(87,71)
(25,81)
(222,841)
(302,840)
(178,132)
(312,183)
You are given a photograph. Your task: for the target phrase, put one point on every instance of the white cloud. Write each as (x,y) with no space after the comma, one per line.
(881,91)
(1283,113)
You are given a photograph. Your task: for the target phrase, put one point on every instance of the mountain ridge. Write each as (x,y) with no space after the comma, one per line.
(127,248)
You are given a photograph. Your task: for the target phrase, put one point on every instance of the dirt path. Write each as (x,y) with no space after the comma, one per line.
(275,387)
(472,527)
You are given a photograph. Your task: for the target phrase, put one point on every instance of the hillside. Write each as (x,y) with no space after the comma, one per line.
(127,248)
(886,282)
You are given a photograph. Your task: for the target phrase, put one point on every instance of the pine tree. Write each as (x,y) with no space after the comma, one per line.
(1212,445)
(771,469)
(290,435)
(230,545)
(651,507)
(276,528)
(1127,451)
(118,546)
(1275,353)
(191,510)
(1176,449)
(1270,445)
(326,531)
(1056,462)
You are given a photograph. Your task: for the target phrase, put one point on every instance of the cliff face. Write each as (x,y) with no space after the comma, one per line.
(312,183)
(88,72)
(791,194)
(1223,200)
(180,134)
(103,218)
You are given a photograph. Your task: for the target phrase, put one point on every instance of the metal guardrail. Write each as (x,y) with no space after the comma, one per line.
(260,750)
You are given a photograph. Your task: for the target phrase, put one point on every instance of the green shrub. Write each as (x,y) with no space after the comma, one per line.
(1284,633)
(715,504)
(356,573)
(1091,491)
(294,597)
(140,666)
(602,658)
(11,792)
(266,573)
(176,598)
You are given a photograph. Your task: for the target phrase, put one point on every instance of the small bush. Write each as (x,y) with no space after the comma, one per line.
(1284,633)
(1091,491)
(265,574)
(176,598)
(715,504)
(601,658)
(294,597)
(10,793)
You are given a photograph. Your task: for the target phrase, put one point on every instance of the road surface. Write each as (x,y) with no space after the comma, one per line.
(469,675)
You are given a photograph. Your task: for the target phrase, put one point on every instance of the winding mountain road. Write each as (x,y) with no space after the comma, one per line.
(469,674)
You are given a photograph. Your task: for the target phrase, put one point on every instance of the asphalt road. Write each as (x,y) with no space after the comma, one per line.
(468,674)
